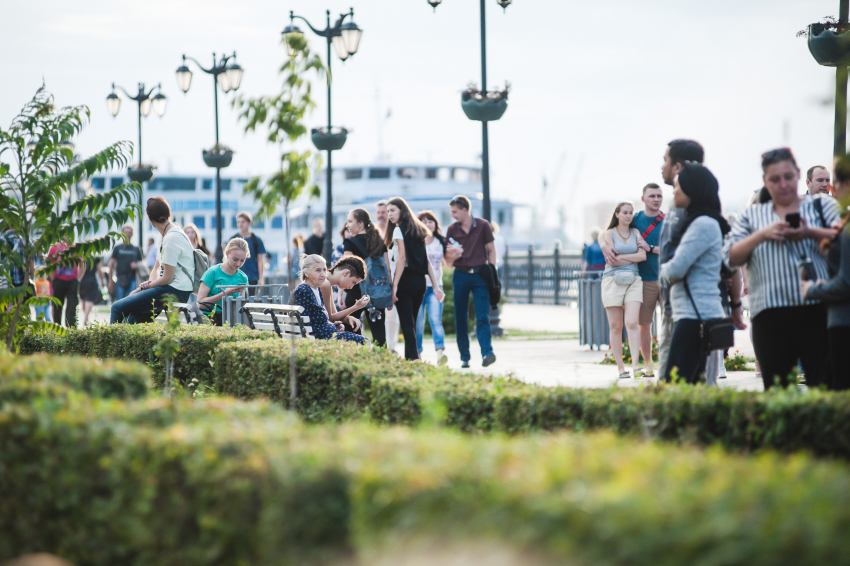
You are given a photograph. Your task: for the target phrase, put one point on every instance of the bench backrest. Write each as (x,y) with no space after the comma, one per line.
(285,320)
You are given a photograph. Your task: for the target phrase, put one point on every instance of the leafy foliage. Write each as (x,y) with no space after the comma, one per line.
(35,173)
(227,482)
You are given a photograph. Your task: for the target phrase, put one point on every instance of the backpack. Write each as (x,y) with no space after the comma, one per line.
(202,264)
(377,283)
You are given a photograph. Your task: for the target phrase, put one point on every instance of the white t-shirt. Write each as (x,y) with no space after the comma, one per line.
(177,251)
(397,235)
(435,256)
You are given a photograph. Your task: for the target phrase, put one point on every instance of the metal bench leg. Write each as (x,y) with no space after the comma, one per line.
(246,312)
(274,321)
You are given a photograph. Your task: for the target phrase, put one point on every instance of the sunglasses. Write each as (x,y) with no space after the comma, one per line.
(776,155)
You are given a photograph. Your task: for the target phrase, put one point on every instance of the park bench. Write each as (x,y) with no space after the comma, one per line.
(285,320)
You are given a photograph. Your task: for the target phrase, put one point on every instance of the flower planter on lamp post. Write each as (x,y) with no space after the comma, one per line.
(141,173)
(218,157)
(329,139)
(829,49)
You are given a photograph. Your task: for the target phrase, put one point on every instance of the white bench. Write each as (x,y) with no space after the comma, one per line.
(284,320)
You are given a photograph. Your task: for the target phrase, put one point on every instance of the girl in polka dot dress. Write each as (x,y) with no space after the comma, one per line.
(308,295)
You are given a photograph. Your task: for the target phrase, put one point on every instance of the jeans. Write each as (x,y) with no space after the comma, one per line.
(145,305)
(464,284)
(411,290)
(121,292)
(67,292)
(45,310)
(435,317)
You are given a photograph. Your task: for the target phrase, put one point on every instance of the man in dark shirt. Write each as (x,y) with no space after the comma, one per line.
(122,263)
(254,266)
(474,237)
(314,243)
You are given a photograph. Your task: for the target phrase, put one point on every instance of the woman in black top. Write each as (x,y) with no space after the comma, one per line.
(365,242)
(407,234)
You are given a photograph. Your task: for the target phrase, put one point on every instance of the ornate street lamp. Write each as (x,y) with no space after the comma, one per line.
(228,77)
(485,142)
(144,100)
(345,38)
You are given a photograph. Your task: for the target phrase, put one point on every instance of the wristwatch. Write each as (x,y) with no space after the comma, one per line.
(651,247)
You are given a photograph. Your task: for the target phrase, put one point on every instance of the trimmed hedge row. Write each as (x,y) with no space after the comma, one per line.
(136,342)
(338,381)
(24,379)
(227,482)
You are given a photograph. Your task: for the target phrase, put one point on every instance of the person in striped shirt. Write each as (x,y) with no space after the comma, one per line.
(774,239)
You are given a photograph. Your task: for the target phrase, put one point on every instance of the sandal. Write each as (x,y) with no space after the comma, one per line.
(650,373)
(625,375)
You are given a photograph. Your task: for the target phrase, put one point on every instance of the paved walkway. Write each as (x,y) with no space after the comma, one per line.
(552,360)
(561,360)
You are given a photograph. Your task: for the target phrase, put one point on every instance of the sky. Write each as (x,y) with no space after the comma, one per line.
(598,88)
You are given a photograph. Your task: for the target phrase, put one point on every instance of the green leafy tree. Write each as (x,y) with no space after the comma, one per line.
(35,172)
(283,115)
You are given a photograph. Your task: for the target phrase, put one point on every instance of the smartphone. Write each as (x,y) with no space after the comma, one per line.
(793,219)
(807,269)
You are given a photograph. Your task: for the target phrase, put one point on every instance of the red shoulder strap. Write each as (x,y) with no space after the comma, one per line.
(652,226)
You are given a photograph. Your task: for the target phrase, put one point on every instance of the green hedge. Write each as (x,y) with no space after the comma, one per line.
(136,342)
(42,376)
(338,380)
(226,482)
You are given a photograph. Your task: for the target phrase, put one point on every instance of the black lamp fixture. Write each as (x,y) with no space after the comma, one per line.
(228,76)
(345,37)
(144,101)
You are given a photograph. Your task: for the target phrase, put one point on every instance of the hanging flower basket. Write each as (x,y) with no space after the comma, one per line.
(141,173)
(219,156)
(482,105)
(329,139)
(829,43)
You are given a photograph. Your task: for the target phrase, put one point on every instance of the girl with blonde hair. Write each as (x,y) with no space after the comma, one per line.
(225,278)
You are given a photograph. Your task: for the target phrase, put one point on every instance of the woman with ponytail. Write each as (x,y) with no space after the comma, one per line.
(835,292)
(694,270)
(366,242)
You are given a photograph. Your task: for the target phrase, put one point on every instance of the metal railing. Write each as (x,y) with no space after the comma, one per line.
(541,277)
(277,294)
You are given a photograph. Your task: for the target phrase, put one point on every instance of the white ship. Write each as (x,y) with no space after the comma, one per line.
(424,187)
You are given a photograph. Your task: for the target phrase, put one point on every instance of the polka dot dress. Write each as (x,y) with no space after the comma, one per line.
(322,329)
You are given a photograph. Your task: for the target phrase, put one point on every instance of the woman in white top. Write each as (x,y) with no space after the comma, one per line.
(435,247)
(171,275)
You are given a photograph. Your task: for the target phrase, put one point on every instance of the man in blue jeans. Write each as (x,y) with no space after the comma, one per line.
(474,236)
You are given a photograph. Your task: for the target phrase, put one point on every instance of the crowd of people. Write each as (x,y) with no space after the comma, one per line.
(784,257)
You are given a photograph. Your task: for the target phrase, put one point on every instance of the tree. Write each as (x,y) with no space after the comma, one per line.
(35,172)
(283,116)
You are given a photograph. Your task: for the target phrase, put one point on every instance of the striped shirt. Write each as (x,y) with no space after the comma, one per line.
(772,268)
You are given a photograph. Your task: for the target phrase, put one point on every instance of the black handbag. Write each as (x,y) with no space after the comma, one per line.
(715,333)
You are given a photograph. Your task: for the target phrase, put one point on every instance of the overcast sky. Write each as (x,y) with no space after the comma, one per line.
(607,83)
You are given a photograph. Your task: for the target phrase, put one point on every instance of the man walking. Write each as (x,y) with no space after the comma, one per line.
(254,266)
(817,180)
(649,222)
(313,244)
(475,238)
(122,264)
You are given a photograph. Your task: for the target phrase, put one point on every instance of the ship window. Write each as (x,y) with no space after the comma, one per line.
(408,172)
(277,222)
(379,173)
(159,184)
(207,184)
(200,221)
(430,172)
(460,174)
(98,183)
(116,182)
(501,217)
(353,174)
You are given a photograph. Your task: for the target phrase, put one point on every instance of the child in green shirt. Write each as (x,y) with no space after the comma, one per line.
(224,278)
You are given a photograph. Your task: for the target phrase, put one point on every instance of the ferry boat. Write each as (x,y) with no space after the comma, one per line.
(424,187)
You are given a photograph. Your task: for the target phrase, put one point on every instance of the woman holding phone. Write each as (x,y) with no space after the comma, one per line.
(786,327)
(225,278)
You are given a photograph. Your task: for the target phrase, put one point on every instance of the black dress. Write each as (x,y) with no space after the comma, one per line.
(89,285)
(377,326)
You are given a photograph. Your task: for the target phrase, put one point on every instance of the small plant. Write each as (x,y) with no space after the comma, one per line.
(168,347)
(472,93)
(627,354)
(143,167)
(828,23)
(737,362)
(218,149)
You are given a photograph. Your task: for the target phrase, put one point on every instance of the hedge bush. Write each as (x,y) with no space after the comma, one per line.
(137,341)
(226,482)
(26,378)
(337,380)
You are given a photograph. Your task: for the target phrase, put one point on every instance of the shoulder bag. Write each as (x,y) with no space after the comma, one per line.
(715,333)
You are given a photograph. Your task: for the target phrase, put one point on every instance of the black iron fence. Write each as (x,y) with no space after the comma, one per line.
(549,277)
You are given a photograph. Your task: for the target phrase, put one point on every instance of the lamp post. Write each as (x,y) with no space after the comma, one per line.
(228,77)
(345,38)
(485,142)
(144,101)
